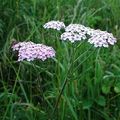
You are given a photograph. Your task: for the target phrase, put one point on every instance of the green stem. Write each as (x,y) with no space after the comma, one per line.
(66,80)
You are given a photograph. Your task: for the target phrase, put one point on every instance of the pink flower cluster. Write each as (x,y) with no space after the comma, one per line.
(101,38)
(57,25)
(72,37)
(78,32)
(76,28)
(30,51)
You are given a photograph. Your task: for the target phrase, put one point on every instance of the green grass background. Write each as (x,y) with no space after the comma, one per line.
(30,90)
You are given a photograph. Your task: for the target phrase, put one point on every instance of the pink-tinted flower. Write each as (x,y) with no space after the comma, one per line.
(76,32)
(57,25)
(30,51)
(72,37)
(76,28)
(101,38)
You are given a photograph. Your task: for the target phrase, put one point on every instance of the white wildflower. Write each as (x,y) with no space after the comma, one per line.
(30,51)
(102,39)
(72,37)
(54,25)
(78,32)
(76,28)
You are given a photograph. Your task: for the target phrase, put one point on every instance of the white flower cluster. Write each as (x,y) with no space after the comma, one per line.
(101,38)
(57,25)
(74,32)
(76,28)
(78,32)
(72,37)
(96,37)
(30,51)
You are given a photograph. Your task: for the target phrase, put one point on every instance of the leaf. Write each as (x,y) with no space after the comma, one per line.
(106,89)
(101,101)
(117,88)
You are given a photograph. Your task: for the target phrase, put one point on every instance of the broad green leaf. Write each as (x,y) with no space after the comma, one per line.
(101,101)
(117,88)
(106,89)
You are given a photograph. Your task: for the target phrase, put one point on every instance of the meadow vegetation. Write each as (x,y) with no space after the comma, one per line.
(32,90)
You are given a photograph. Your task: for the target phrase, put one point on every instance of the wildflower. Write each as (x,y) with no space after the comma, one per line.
(76,28)
(101,38)
(54,25)
(78,32)
(72,37)
(17,46)
(30,51)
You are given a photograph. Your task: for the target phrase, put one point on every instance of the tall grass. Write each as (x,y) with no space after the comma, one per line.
(34,90)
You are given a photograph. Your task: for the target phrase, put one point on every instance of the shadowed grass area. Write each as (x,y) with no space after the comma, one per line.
(30,90)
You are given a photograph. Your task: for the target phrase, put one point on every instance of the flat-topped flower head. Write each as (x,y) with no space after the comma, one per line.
(30,51)
(57,25)
(78,32)
(17,46)
(102,39)
(76,28)
(72,37)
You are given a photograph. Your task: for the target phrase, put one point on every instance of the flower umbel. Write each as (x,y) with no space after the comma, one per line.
(76,28)
(78,32)
(72,37)
(96,37)
(74,32)
(30,51)
(57,25)
(101,38)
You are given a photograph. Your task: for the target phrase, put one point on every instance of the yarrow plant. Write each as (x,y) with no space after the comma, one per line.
(74,32)
(57,25)
(76,28)
(78,32)
(102,38)
(30,51)
(72,37)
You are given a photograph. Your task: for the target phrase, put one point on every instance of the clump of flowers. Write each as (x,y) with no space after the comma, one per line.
(72,37)
(74,32)
(30,51)
(101,38)
(57,25)
(78,32)
(76,28)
